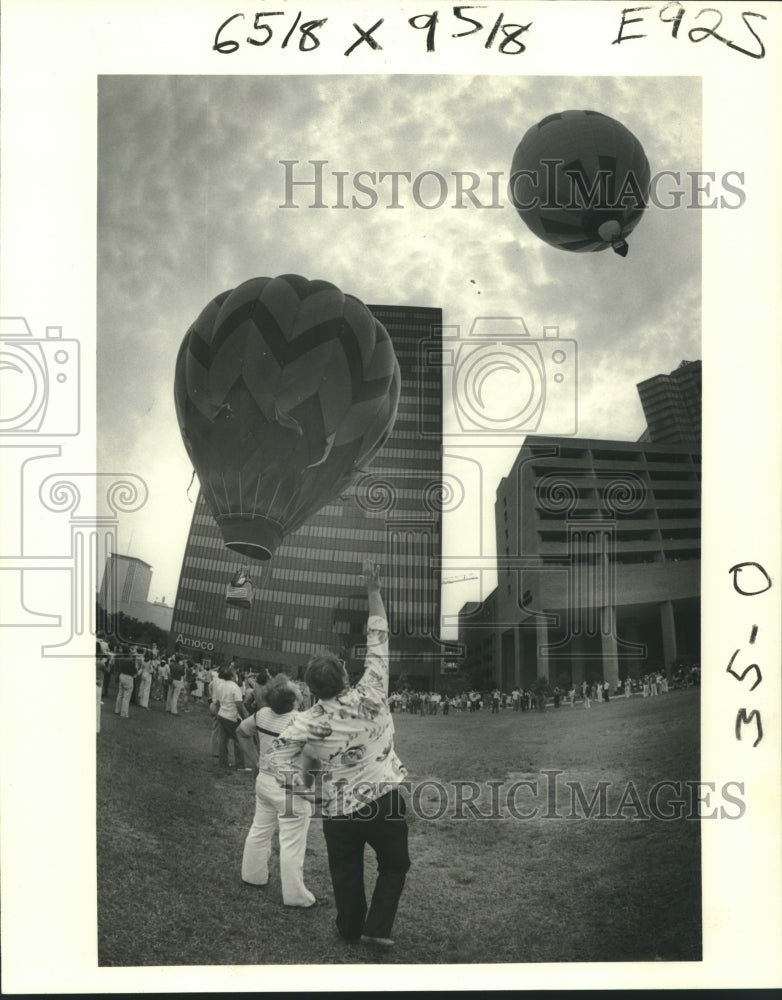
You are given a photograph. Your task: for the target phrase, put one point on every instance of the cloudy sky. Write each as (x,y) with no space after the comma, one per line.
(190,189)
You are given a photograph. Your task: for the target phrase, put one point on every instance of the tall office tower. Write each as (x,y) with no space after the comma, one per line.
(672,405)
(125,588)
(126,580)
(309,596)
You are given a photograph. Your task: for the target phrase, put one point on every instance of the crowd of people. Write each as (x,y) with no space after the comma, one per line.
(520,699)
(324,742)
(141,675)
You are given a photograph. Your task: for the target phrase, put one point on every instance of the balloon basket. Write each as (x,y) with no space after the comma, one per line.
(239,597)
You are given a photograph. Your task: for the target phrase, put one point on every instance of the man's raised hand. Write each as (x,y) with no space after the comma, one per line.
(371,575)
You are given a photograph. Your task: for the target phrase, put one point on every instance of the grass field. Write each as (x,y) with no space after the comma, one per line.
(544,889)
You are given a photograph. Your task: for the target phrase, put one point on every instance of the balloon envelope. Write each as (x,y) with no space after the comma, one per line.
(580,181)
(285,389)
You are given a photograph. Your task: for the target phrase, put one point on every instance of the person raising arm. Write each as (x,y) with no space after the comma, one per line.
(349,733)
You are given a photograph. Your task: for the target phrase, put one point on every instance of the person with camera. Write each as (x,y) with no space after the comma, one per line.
(343,747)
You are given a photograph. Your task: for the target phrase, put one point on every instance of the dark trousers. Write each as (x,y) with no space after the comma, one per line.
(382,825)
(227,734)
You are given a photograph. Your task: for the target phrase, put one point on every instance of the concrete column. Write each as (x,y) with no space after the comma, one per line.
(668,625)
(541,638)
(517,654)
(608,646)
(578,662)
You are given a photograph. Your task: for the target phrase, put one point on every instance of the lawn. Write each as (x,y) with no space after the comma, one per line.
(487,884)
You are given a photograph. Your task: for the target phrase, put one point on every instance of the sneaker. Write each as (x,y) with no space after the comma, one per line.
(379,942)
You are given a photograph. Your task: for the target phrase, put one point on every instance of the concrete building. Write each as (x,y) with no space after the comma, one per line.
(308,597)
(672,405)
(481,639)
(125,588)
(598,552)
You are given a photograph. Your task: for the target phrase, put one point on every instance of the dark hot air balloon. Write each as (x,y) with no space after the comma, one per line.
(285,389)
(580,181)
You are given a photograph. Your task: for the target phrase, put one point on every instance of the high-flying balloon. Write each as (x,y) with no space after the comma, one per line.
(285,389)
(580,181)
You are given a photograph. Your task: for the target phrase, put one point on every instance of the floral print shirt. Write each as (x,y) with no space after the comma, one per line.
(351,735)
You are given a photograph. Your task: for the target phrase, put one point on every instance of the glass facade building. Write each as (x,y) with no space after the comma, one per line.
(308,597)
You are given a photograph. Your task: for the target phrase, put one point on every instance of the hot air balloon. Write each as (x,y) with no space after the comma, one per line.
(285,389)
(580,181)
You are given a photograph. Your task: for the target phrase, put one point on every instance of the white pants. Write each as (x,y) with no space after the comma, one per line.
(273,807)
(143,691)
(173,696)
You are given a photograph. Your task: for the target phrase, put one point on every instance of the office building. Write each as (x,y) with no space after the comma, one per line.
(480,638)
(309,596)
(598,554)
(672,405)
(125,588)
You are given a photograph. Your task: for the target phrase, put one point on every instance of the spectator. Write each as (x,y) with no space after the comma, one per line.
(230,712)
(145,685)
(351,733)
(176,671)
(274,809)
(126,672)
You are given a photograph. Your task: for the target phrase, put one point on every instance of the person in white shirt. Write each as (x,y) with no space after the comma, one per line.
(145,685)
(160,680)
(275,809)
(230,713)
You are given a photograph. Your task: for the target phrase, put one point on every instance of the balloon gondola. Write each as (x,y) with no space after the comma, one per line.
(239,590)
(285,389)
(580,181)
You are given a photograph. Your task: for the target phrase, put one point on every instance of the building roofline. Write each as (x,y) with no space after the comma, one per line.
(409,309)
(630,445)
(135,559)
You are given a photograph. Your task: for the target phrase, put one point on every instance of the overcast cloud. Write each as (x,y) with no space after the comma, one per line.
(190,189)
